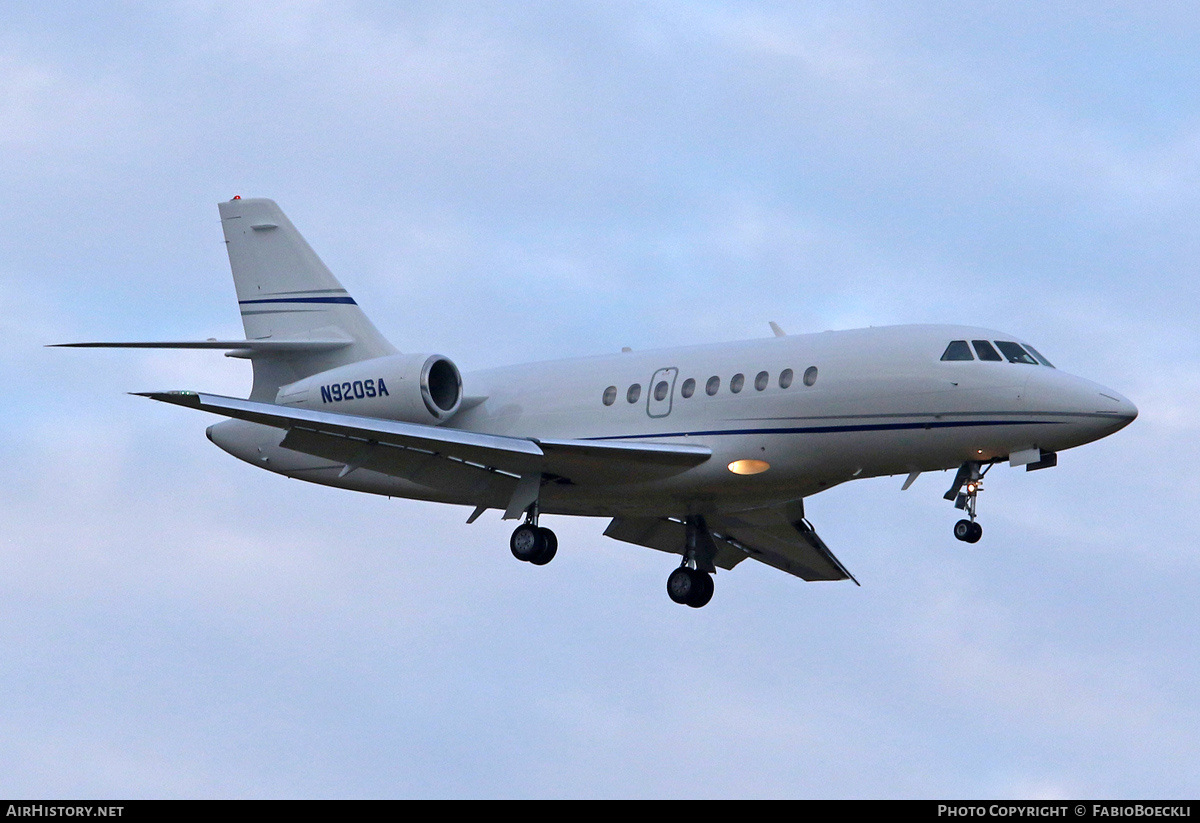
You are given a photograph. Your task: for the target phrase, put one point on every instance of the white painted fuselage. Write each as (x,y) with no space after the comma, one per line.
(877,401)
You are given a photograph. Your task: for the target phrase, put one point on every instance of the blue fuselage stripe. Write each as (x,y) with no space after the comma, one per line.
(866,427)
(343,300)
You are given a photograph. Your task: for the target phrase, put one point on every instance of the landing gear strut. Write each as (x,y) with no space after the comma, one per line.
(691,584)
(531,543)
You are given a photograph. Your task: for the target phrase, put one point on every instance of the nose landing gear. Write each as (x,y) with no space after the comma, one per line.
(968,483)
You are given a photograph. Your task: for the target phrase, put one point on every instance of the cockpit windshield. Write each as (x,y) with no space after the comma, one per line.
(958,350)
(1038,355)
(985,351)
(1013,352)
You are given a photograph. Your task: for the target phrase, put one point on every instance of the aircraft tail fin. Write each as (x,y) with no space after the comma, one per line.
(286,293)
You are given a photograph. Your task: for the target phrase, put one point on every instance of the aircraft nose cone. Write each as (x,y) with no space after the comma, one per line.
(1119,404)
(1093,410)
(1114,411)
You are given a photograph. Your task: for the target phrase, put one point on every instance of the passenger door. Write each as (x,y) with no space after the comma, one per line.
(662,389)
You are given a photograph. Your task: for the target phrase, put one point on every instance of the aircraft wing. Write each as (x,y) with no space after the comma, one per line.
(442,457)
(778,536)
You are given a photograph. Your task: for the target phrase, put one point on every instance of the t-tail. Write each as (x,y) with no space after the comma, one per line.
(299,320)
(286,293)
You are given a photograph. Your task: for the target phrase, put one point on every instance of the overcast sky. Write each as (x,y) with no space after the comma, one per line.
(510,182)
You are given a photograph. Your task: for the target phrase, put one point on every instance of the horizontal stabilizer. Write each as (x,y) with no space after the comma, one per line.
(243,348)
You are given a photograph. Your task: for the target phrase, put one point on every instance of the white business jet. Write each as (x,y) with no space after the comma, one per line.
(706,452)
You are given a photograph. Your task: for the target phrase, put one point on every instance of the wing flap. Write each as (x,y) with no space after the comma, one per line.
(789,544)
(480,484)
(766,535)
(668,536)
(420,450)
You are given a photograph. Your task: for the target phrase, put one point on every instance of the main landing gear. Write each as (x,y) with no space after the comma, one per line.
(532,543)
(690,587)
(691,584)
(968,483)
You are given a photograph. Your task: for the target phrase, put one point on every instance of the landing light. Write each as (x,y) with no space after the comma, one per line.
(749,466)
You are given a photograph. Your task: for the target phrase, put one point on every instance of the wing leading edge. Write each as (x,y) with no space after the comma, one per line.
(442,457)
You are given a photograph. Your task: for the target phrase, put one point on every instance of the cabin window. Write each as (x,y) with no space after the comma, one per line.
(1015,353)
(761,380)
(712,386)
(688,388)
(610,395)
(736,383)
(660,390)
(958,350)
(1038,355)
(985,351)
(785,378)
(635,391)
(810,375)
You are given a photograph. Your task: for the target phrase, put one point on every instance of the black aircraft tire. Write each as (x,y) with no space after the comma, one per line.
(527,543)
(681,586)
(963,530)
(704,589)
(549,547)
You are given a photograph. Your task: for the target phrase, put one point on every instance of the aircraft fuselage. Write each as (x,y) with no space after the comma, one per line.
(861,403)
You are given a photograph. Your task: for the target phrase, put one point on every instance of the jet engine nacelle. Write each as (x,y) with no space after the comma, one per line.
(414,388)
